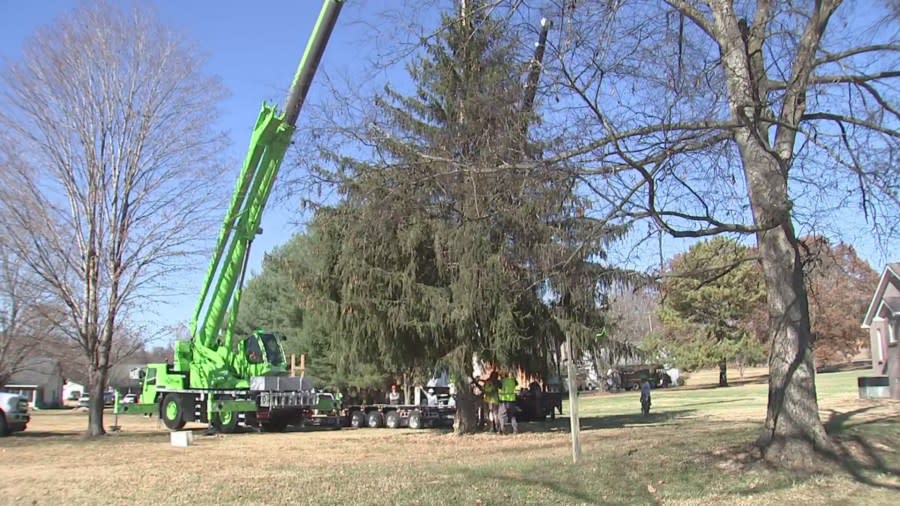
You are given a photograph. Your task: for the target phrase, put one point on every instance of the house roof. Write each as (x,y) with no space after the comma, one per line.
(890,275)
(37,371)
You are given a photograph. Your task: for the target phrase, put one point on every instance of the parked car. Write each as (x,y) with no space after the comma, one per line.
(109,398)
(128,399)
(13,413)
(84,401)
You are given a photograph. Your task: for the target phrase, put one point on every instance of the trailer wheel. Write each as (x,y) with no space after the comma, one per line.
(392,419)
(415,419)
(225,422)
(374,419)
(172,412)
(357,419)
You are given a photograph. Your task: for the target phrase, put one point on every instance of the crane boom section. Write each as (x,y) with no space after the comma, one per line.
(268,144)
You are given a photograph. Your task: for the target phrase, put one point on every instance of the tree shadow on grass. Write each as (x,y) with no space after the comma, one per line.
(860,456)
(562,424)
(756,380)
(742,399)
(30,434)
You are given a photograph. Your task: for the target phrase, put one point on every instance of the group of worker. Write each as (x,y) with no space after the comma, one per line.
(499,401)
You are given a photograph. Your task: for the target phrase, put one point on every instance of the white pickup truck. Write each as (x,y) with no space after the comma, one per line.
(13,414)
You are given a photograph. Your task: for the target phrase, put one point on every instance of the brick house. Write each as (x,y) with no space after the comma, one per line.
(883,322)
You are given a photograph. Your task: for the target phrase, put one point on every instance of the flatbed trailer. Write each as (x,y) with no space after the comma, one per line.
(393,416)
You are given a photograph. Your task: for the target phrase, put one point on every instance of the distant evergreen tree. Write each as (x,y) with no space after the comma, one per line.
(710,296)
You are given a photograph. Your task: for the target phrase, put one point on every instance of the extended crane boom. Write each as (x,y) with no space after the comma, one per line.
(268,143)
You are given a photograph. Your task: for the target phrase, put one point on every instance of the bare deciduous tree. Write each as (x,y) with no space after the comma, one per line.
(750,117)
(26,319)
(113,176)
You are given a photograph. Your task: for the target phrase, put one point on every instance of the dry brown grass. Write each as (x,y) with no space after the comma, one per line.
(679,456)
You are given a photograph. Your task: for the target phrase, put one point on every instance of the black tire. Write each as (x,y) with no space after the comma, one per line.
(225,427)
(358,419)
(392,419)
(4,429)
(415,419)
(374,419)
(172,412)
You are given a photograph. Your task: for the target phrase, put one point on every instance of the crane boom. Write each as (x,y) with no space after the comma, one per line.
(268,144)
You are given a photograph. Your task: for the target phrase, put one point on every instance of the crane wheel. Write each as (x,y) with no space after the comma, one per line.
(172,412)
(225,422)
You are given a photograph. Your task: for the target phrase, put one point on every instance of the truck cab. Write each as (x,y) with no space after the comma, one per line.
(13,414)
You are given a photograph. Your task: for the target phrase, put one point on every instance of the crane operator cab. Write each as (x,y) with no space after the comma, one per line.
(263,353)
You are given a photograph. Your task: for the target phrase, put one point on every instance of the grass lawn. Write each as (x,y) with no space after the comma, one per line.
(686,452)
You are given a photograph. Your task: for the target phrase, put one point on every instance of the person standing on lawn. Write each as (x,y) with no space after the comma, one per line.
(508,388)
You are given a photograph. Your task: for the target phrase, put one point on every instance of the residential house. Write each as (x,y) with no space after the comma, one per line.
(72,390)
(883,322)
(40,381)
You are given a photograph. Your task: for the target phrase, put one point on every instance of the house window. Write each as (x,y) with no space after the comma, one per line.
(876,347)
(893,330)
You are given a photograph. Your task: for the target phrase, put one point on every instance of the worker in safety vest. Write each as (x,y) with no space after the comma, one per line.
(508,388)
(491,389)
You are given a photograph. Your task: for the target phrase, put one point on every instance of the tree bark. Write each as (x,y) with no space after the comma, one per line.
(793,431)
(97,382)
(723,373)
(466,420)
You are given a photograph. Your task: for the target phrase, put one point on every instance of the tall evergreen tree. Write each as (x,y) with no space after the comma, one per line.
(449,243)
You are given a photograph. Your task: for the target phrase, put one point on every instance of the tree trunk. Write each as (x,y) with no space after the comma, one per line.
(97,381)
(793,432)
(723,373)
(466,421)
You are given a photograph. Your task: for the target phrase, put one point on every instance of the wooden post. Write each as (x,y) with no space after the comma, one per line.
(573,404)
(302,364)
(293,364)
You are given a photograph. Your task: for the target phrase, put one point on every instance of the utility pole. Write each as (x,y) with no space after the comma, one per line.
(573,404)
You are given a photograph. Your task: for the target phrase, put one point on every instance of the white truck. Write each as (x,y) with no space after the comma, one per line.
(13,414)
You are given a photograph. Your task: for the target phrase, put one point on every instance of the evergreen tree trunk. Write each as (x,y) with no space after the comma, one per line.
(466,421)
(723,373)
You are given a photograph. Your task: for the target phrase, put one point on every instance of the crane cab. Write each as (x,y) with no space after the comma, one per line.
(261,354)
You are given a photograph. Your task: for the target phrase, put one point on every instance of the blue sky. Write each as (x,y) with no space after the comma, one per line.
(255,48)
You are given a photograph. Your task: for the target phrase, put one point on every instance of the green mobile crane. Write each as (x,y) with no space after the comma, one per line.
(214,379)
